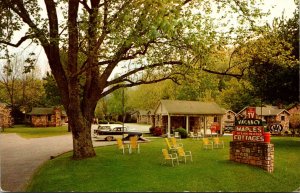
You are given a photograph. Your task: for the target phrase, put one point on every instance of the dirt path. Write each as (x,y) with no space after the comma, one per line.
(21,157)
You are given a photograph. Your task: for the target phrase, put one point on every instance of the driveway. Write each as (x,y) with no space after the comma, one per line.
(21,157)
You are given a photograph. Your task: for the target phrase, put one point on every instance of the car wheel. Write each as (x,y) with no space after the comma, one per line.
(109,138)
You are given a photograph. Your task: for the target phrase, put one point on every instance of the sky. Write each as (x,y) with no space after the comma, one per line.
(276,8)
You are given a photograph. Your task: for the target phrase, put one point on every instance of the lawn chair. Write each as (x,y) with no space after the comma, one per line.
(177,135)
(121,145)
(184,154)
(174,143)
(218,143)
(170,157)
(133,144)
(207,144)
(192,135)
(199,135)
(169,146)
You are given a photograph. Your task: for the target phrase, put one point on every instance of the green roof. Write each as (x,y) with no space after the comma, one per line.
(192,107)
(41,111)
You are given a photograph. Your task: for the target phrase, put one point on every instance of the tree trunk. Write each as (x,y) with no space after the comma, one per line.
(82,140)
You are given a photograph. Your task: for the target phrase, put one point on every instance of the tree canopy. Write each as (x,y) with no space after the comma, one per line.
(148,40)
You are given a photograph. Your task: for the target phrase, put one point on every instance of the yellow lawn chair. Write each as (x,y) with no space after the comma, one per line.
(171,157)
(218,143)
(207,144)
(121,145)
(175,144)
(133,144)
(169,146)
(184,154)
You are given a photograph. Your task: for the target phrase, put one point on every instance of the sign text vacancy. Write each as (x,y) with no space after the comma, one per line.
(249,130)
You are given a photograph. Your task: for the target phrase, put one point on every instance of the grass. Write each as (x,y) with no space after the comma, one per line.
(111,171)
(37,132)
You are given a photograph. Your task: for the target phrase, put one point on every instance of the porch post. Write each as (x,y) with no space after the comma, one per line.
(205,125)
(169,126)
(187,124)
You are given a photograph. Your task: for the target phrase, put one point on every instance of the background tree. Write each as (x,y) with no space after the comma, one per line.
(20,85)
(52,93)
(271,62)
(150,40)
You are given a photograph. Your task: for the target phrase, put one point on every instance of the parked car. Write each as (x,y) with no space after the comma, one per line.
(110,132)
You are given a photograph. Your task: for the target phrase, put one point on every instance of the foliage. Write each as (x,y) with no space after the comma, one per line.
(19,88)
(147,96)
(210,171)
(182,132)
(238,94)
(295,121)
(270,62)
(52,92)
(150,41)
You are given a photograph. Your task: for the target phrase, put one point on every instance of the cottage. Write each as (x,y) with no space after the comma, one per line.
(194,116)
(228,120)
(46,117)
(6,119)
(277,119)
(144,116)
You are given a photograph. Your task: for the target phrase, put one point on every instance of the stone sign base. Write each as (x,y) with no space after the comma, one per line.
(253,153)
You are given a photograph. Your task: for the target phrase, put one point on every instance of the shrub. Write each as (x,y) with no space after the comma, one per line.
(157,131)
(182,132)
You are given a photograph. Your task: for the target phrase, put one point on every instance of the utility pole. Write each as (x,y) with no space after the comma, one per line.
(123,111)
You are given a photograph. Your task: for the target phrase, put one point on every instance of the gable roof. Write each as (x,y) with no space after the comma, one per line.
(227,111)
(267,110)
(182,107)
(41,111)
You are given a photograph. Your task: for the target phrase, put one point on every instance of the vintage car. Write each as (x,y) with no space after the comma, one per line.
(110,132)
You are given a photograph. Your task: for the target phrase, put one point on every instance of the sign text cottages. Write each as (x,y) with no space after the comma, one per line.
(251,145)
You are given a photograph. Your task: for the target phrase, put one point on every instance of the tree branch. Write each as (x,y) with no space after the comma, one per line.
(86,6)
(132,84)
(22,39)
(121,78)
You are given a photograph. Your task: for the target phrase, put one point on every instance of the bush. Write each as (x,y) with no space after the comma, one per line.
(156,131)
(182,132)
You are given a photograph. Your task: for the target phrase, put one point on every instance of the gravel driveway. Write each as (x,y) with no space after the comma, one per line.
(21,157)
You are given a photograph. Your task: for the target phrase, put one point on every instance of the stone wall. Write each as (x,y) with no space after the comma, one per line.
(253,153)
(6,119)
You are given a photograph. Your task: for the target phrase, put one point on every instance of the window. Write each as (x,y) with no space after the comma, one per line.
(228,116)
(282,118)
(49,117)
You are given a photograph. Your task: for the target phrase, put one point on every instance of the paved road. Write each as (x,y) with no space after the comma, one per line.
(21,157)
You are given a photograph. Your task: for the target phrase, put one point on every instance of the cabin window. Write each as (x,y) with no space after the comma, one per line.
(282,118)
(49,117)
(228,116)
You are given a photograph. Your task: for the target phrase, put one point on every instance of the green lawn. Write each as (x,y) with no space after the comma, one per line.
(36,132)
(111,171)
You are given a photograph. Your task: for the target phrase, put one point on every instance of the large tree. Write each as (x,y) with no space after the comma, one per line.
(149,40)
